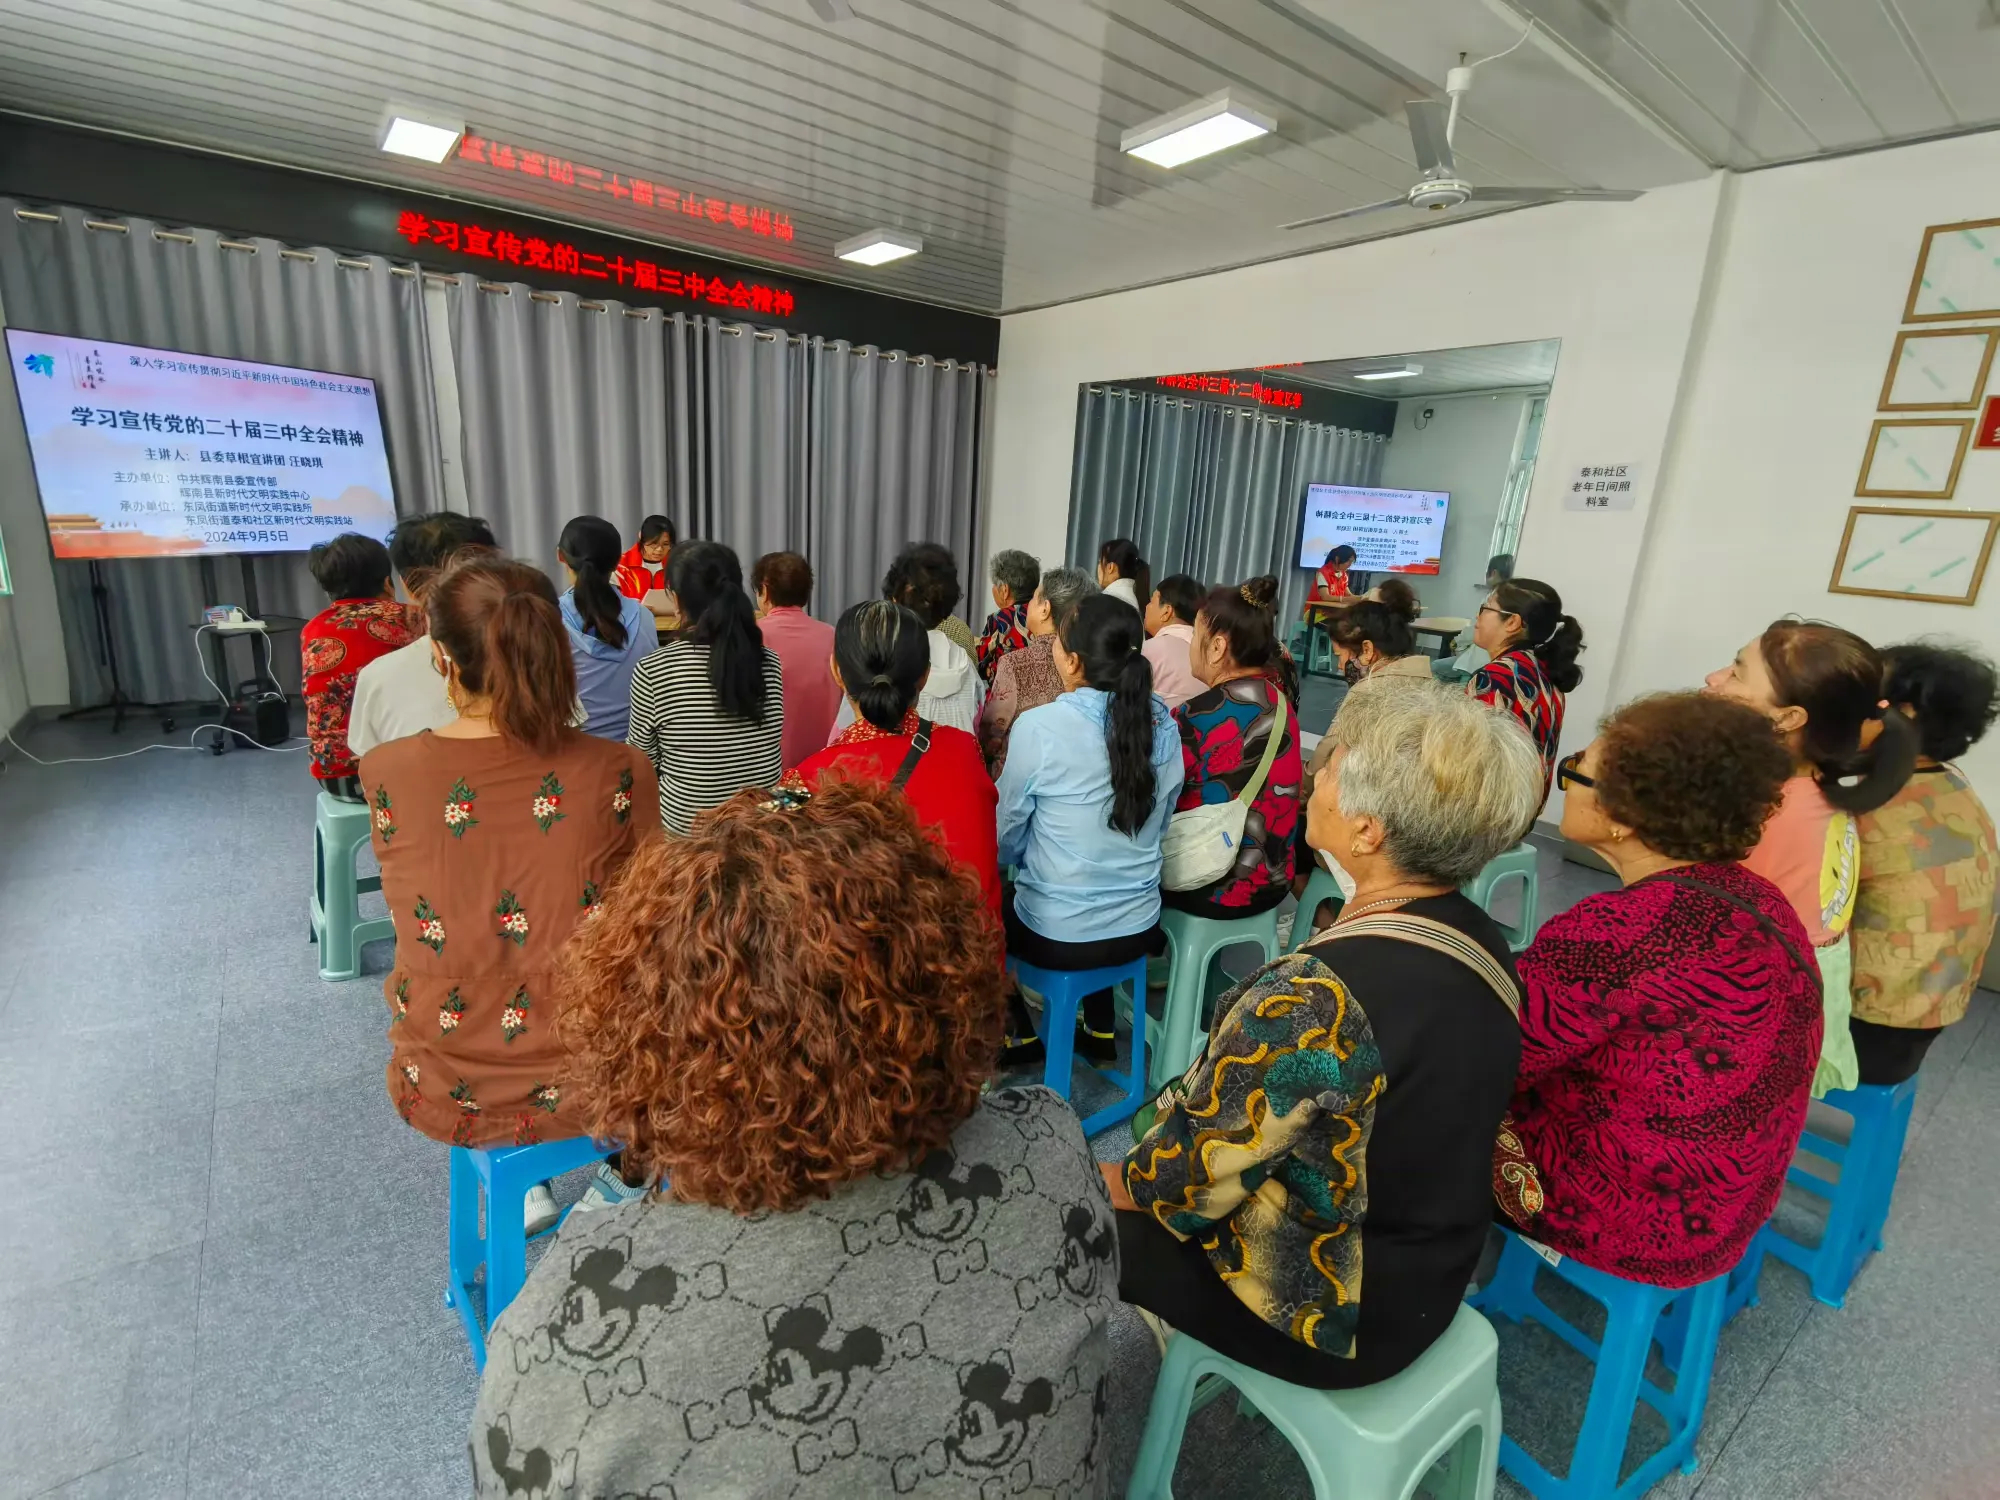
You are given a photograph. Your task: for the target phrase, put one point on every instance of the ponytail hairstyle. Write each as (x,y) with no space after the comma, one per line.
(1242,614)
(1105,636)
(708,581)
(1383,621)
(589,545)
(1837,678)
(884,653)
(1554,638)
(498,622)
(1123,554)
(1950,691)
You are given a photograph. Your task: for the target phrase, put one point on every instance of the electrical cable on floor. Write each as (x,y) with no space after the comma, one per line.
(288,748)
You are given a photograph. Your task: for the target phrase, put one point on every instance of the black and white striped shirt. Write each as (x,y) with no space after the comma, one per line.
(703,755)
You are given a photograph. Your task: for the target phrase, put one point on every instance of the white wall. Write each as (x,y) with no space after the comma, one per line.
(1814,264)
(1619,284)
(1466,448)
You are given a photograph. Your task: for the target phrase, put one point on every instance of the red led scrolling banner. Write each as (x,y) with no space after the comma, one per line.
(641,192)
(564,259)
(1241,390)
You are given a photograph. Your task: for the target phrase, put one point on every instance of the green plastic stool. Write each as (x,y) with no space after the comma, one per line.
(1518,863)
(340,828)
(1192,945)
(1377,1442)
(1319,887)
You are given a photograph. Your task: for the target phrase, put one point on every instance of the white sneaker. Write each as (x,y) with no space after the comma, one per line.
(607,1190)
(542,1210)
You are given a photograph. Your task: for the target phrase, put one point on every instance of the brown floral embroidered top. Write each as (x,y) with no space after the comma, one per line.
(491,854)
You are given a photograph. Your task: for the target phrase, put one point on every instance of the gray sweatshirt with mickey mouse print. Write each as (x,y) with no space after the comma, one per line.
(938,1333)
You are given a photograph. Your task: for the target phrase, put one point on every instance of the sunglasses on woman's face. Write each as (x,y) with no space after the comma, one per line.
(1569,774)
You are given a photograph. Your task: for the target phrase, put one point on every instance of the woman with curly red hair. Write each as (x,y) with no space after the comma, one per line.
(854,1258)
(1671,1026)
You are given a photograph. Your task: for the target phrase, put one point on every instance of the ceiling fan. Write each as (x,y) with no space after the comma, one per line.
(1440,187)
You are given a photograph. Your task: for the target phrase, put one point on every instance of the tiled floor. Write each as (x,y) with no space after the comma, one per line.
(221,1253)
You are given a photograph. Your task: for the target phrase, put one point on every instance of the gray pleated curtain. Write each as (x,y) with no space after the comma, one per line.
(1204,489)
(194,290)
(743,435)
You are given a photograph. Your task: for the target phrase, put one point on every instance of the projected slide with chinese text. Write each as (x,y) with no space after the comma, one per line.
(152,453)
(1391,531)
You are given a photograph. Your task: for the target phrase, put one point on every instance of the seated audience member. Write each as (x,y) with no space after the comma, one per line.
(783,584)
(1015,578)
(1923,918)
(1028,678)
(363,622)
(1124,574)
(789,1019)
(608,631)
(1670,1026)
(1250,1216)
(1373,637)
(1170,616)
(642,570)
(924,578)
(1822,688)
(1224,732)
(1534,647)
(881,652)
(1089,784)
(496,834)
(708,707)
(398,695)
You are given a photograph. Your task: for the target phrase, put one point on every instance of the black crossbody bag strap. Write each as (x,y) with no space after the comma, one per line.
(1809,969)
(918,745)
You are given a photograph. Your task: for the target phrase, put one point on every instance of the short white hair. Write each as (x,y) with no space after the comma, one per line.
(1451,780)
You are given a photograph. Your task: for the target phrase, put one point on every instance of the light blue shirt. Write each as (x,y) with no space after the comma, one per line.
(604,671)
(1079,879)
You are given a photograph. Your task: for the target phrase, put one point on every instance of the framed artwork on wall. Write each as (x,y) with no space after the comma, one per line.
(1938,369)
(1935,556)
(1915,458)
(1958,273)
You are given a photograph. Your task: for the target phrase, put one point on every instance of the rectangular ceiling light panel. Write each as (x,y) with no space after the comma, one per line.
(1214,124)
(431,140)
(1399,372)
(878,247)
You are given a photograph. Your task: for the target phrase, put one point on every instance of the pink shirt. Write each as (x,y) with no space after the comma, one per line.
(1812,852)
(1173,678)
(804,647)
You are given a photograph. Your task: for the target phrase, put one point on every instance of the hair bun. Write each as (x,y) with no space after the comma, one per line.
(1260,592)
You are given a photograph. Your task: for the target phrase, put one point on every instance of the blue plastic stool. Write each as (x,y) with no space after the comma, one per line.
(1062,992)
(1320,886)
(1518,863)
(1376,1442)
(1193,944)
(1632,1317)
(504,1174)
(340,828)
(1859,1200)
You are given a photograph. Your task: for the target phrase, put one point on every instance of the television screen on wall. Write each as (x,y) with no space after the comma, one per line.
(143,452)
(1391,531)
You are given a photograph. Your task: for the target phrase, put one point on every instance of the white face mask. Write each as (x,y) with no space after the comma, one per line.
(1339,873)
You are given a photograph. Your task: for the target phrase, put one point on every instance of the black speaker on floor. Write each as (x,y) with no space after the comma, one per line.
(274,721)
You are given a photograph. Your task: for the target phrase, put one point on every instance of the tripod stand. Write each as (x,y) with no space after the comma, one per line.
(107,657)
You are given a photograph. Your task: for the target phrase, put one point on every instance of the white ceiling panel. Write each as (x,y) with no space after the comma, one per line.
(1446,372)
(991,127)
